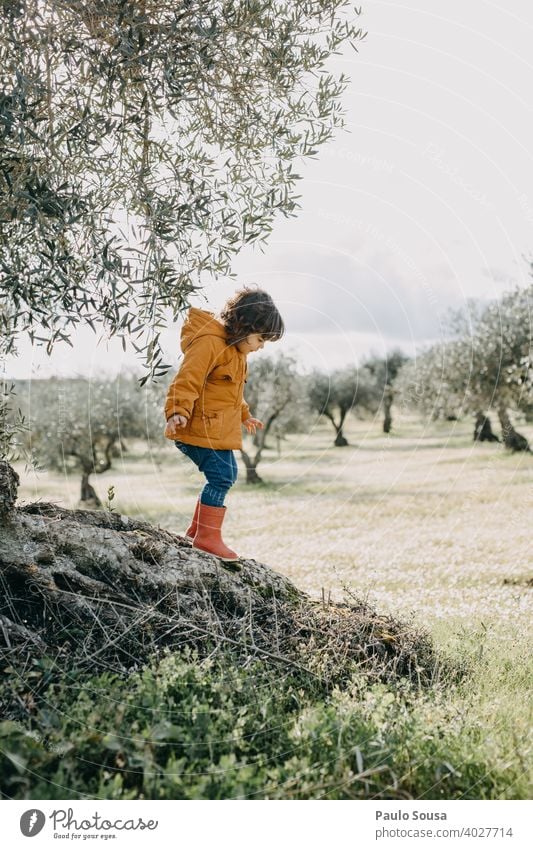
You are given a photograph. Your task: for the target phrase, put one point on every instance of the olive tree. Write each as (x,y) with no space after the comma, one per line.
(334,395)
(431,383)
(275,395)
(487,362)
(143,143)
(81,425)
(502,358)
(385,370)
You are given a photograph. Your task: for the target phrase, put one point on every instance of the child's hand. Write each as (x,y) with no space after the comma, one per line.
(174,423)
(251,424)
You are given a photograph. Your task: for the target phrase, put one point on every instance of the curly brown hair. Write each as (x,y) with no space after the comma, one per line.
(251,310)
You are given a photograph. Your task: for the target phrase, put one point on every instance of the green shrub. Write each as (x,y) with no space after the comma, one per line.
(191,729)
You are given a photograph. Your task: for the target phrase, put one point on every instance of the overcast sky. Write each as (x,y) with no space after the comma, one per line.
(426,201)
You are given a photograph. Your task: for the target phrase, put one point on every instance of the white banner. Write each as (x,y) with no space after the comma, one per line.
(268,825)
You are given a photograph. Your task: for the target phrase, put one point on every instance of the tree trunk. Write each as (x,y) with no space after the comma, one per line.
(387,406)
(88,493)
(512,440)
(340,440)
(483,429)
(9,481)
(252,476)
(251,467)
(259,441)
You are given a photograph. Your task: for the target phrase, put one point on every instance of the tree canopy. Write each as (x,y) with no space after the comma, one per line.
(487,361)
(334,395)
(143,143)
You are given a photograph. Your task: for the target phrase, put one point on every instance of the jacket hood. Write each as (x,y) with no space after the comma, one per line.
(200,323)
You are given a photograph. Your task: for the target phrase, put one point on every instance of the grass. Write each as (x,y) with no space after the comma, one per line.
(186,729)
(422,523)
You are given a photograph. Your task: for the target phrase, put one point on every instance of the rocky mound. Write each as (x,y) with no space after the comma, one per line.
(104,591)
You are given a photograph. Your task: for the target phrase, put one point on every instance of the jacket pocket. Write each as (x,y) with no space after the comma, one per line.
(221,374)
(207,425)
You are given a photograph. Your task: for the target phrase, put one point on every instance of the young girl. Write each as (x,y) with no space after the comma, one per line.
(205,408)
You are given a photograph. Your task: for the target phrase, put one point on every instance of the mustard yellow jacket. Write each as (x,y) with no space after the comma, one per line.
(208,388)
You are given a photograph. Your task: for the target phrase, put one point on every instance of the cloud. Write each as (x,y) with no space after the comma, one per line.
(336,292)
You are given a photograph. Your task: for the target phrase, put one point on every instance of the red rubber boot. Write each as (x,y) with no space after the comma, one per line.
(208,534)
(190,533)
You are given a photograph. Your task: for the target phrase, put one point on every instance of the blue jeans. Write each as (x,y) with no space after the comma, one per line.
(219,467)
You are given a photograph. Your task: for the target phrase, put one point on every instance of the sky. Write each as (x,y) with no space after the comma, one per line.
(423,202)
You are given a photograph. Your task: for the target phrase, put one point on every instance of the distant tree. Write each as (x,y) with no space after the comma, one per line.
(487,362)
(80,425)
(385,370)
(144,142)
(427,382)
(335,395)
(502,359)
(274,392)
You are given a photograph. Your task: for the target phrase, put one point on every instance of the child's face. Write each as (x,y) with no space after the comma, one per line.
(253,342)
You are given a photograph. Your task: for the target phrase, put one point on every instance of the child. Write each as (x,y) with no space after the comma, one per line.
(205,408)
